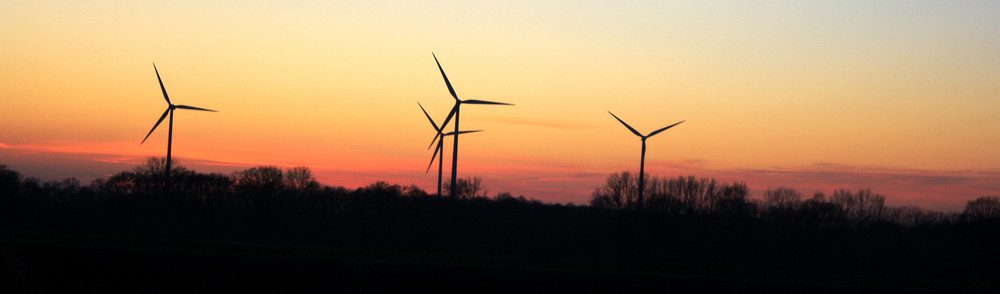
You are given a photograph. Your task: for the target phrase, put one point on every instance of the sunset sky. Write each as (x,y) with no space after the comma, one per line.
(901,97)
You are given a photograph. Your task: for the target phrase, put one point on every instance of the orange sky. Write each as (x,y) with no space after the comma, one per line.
(898,97)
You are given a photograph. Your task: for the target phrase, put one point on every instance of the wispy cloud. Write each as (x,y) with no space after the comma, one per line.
(549,123)
(939,189)
(564,177)
(978,179)
(63,147)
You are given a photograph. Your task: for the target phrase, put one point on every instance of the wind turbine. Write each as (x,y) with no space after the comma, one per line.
(440,144)
(170,131)
(456,110)
(642,162)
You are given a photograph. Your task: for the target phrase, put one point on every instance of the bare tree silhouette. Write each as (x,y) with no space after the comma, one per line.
(469,188)
(914,216)
(618,192)
(261,179)
(681,195)
(782,198)
(300,179)
(986,207)
(863,206)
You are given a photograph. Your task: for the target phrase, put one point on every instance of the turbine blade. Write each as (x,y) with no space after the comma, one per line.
(164,89)
(193,108)
(484,102)
(450,115)
(432,159)
(626,125)
(435,140)
(663,129)
(450,89)
(156,125)
(462,132)
(430,119)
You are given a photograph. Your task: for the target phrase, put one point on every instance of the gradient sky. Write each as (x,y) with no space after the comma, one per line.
(898,96)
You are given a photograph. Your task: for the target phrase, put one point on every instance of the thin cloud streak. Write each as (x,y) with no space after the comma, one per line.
(536,122)
(572,177)
(937,189)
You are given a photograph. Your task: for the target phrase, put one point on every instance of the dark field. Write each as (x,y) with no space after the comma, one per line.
(44,262)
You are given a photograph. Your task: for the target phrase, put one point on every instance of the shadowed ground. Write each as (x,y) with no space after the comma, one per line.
(46,262)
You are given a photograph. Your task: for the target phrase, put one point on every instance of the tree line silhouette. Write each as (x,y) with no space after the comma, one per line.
(683,220)
(690,195)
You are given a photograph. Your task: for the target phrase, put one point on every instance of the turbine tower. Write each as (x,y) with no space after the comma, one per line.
(440,144)
(170,130)
(642,160)
(456,110)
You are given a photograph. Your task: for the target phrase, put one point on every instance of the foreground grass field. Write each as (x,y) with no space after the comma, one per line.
(47,262)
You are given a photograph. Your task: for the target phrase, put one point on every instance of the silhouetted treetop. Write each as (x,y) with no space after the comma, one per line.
(468,188)
(986,207)
(261,179)
(10,182)
(782,198)
(686,195)
(300,179)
